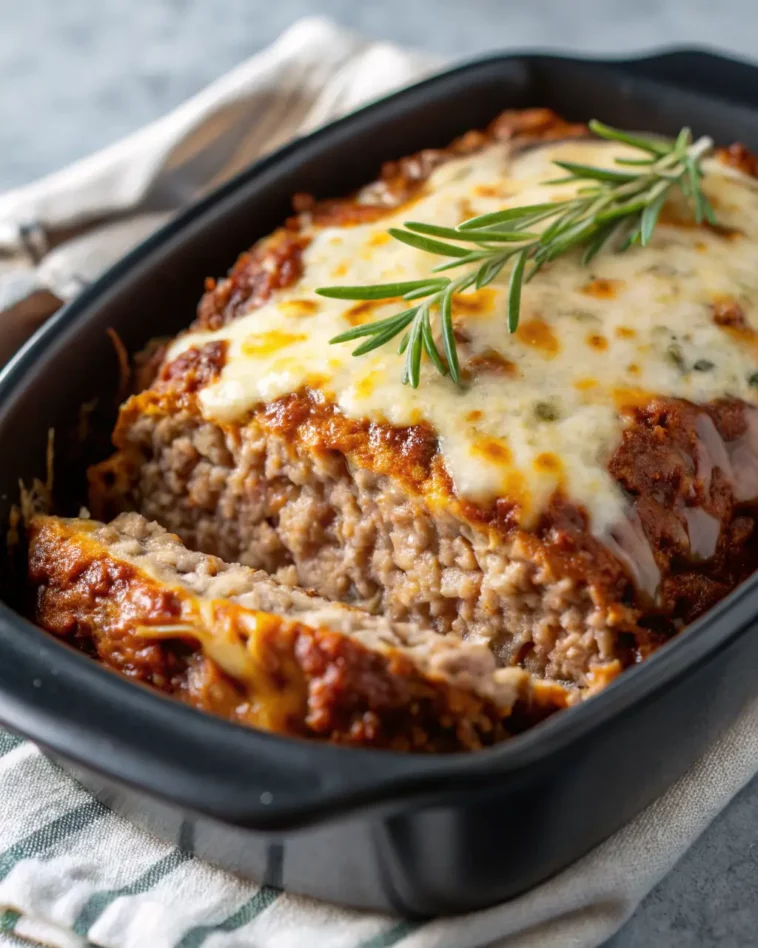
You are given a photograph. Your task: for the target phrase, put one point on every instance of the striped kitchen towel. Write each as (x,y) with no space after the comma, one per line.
(74,874)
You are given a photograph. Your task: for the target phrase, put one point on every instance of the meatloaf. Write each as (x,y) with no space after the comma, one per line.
(586,491)
(232,641)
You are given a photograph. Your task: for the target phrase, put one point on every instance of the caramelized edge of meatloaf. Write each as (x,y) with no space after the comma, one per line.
(129,593)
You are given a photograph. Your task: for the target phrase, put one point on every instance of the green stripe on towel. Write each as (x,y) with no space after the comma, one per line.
(264,897)
(51,834)
(9,742)
(392,936)
(8,920)
(99,902)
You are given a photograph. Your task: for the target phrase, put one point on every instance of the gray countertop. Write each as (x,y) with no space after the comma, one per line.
(78,74)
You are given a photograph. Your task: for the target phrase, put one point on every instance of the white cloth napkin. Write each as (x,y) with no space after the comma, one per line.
(60,233)
(73,874)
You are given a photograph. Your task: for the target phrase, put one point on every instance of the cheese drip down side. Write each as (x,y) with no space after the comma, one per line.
(544,408)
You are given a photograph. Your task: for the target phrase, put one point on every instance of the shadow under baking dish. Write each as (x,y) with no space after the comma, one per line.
(410,833)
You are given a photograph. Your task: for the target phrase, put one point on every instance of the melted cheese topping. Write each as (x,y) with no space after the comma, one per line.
(543,408)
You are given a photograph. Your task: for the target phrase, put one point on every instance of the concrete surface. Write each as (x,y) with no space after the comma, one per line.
(78,74)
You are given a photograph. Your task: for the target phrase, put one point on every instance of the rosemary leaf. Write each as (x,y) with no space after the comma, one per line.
(470,237)
(413,355)
(430,346)
(569,236)
(599,240)
(373,329)
(379,291)
(584,172)
(464,282)
(635,162)
(374,342)
(621,210)
(683,141)
(513,213)
(489,270)
(448,336)
(558,224)
(650,218)
(695,193)
(636,141)
(427,290)
(631,238)
(708,213)
(514,291)
(420,242)
(433,230)
(536,265)
(472,257)
(485,237)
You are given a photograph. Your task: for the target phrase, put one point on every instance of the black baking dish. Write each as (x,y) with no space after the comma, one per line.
(416,834)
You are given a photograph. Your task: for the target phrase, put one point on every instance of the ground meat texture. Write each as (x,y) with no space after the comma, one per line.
(301,486)
(343,506)
(191,626)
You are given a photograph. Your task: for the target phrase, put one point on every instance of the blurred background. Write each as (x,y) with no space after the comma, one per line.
(78,74)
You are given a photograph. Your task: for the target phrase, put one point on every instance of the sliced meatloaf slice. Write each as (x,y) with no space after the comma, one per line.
(232,641)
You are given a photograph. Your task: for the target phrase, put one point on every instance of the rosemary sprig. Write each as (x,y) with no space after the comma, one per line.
(617,206)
